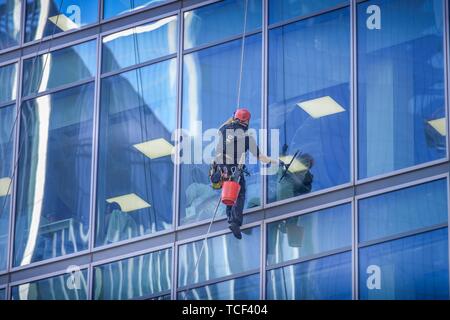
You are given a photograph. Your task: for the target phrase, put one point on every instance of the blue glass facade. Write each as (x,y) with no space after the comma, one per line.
(93,205)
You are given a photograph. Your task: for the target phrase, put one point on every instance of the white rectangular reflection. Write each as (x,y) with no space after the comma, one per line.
(156,148)
(321,107)
(63,22)
(296,166)
(439,126)
(129,202)
(5,189)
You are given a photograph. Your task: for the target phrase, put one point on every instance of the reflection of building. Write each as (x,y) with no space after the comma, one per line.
(360,98)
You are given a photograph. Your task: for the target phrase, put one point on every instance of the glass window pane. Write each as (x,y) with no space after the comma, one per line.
(2,294)
(210,95)
(220,20)
(406,269)
(401,102)
(309,234)
(309,103)
(280,10)
(8,89)
(47,17)
(404,210)
(62,287)
(52,217)
(246,288)
(113,8)
(328,278)
(10,12)
(7,117)
(135,179)
(140,44)
(222,256)
(140,276)
(59,67)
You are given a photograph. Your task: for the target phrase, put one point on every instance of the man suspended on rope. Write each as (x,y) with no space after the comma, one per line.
(234,142)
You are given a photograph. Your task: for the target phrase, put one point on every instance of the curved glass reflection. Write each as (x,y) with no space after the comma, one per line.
(401,85)
(47,17)
(309,103)
(8,89)
(140,276)
(135,177)
(222,256)
(62,287)
(328,278)
(245,288)
(53,193)
(10,12)
(139,44)
(220,20)
(210,92)
(113,8)
(59,67)
(7,117)
(309,234)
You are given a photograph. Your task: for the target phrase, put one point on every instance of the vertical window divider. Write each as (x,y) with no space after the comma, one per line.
(16,147)
(95,148)
(354,141)
(264,126)
(446,72)
(177,169)
(94,161)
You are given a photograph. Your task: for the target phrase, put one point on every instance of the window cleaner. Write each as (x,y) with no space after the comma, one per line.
(228,171)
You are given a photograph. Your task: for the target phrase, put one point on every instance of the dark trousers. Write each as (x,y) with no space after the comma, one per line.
(235,213)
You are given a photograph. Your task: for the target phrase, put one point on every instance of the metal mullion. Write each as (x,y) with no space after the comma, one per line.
(177,165)
(310,258)
(354,141)
(138,66)
(218,280)
(59,89)
(402,235)
(264,127)
(307,16)
(222,41)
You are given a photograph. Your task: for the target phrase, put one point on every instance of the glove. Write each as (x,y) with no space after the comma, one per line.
(282,164)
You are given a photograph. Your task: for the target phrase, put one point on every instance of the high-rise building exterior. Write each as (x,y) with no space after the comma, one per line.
(93,205)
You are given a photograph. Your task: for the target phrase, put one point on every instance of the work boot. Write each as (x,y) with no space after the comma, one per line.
(236,229)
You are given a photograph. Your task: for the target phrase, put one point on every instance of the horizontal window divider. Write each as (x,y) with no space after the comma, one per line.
(153,295)
(309,258)
(222,41)
(218,280)
(8,104)
(139,65)
(45,276)
(133,254)
(308,16)
(402,171)
(133,12)
(397,187)
(52,48)
(58,89)
(38,264)
(402,235)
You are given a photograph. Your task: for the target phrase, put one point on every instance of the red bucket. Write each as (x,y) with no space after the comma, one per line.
(230,192)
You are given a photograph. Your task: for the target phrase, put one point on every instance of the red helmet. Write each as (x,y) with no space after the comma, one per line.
(243,115)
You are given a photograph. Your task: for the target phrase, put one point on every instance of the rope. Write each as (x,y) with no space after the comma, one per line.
(204,241)
(242,55)
(19,110)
